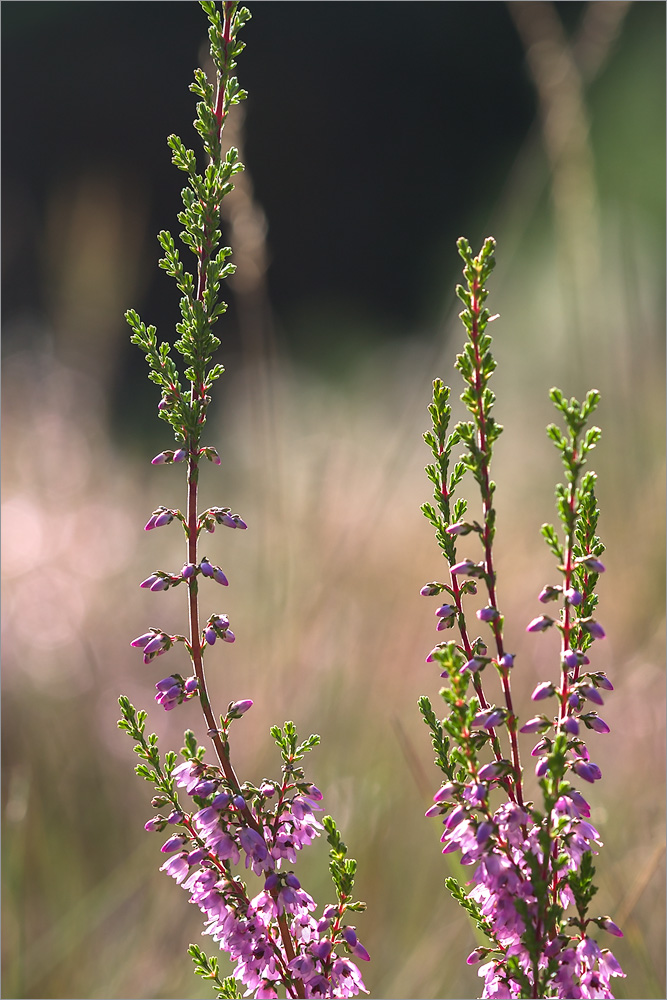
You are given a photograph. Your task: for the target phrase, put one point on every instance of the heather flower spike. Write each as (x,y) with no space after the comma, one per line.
(228,833)
(528,879)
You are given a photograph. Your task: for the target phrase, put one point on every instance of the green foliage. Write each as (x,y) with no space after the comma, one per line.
(342,868)
(208,968)
(200,304)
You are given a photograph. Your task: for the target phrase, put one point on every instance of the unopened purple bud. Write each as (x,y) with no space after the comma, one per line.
(436,649)
(174,817)
(462,528)
(607,924)
(592,693)
(204,788)
(206,567)
(432,811)
(473,665)
(162,405)
(166,683)
(188,570)
(164,518)
(540,623)
(573,596)
(587,770)
(591,563)
(446,611)
(571,658)
(180,455)
(220,577)
(267,789)
(350,935)
(321,949)
(240,523)
(601,680)
(484,831)
(506,661)
(239,802)
(322,925)
(313,792)
(476,956)
(197,855)
(593,628)
(539,724)
(574,701)
(210,635)
(571,726)
(173,844)
(541,767)
(431,589)
(160,584)
(157,642)
(228,636)
(149,581)
(160,459)
(455,817)
(594,722)
(549,593)
(240,707)
(539,748)
(221,800)
(156,824)
(150,524)
(271,882)
(487,614)
(143,640)
(488,772)
(292,881)
(445,793)
(543,690)
(444,623)
(463,568)
(191,685)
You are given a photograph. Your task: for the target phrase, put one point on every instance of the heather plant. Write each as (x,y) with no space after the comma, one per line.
(224,831)
(531,862)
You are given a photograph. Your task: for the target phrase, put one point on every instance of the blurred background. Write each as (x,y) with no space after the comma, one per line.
(375,134)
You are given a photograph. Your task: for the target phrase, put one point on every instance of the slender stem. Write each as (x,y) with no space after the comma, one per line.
(487,541)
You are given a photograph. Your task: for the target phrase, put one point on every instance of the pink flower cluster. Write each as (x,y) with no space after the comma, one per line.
(249,930)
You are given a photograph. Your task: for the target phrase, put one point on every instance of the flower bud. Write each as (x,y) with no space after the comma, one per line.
(487,614)
(587,770)
(166,517)
(540,623)
(188,570)
(220,577)
(228,636)
(143,640)
(590,563)
(539,724)
(180,455)
(150,580)
(160,584)
(210,635)
(571,658)
(161,458)
(541,767)
(506,661)
(570,726)
(592,693)
(445,793)
(549,593)
(238,708)
(543,690)
(173,844)
(446,610)
(592,627)
(594,722)
(431,589)
(573,596)
(206,567)
(607,924)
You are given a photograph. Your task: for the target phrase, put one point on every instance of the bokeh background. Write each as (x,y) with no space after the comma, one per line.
(375,134)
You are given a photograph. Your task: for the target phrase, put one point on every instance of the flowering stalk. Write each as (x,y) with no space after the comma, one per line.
(273,937)
(532,880)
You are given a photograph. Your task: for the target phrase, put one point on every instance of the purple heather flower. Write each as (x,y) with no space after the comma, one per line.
(590,563)
(607,924)
(188,570)
(228,636)
(570,726)
(350,935)
(463,568)
(180,455)
(549,593)
(210,635)
(539,624)
(593,721)
(487,614)
(489,772)
(539,724)
(220,577)
(160,584)
(176,816)
(173,844)
(221,801)
(177,867)
(433,811)
(165,517)
(446,611)
(143,640)
(488,718)
(506,661)
(238,708)
(321,949)
(540,747)
(197,855)
(191,685)
(436,649)
(445,793)
(462,528)
(444,623)
(573,597)
(541,767)
(157,823)
(543,690)
(570,658)
(157,642)
(587,770)
(166,683)
(484,831)
(431,589)
(161,458)
(592,693)
(593,628)
(150,580)
(204,788)
(474,664)
(150,524)
(601,680)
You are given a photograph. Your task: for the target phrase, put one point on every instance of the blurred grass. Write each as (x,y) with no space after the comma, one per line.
(324,599)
